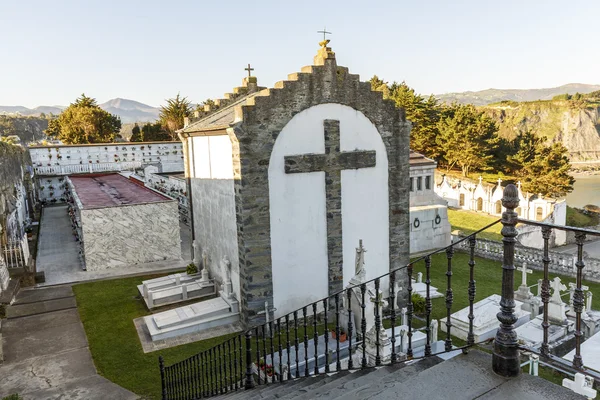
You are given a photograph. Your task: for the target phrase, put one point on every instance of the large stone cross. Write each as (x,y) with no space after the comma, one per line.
(332,163)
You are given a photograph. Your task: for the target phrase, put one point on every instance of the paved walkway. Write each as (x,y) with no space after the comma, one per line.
(592,248)
(46,351)
(58,253)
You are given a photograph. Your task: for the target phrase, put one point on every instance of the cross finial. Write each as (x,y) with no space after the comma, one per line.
(324,32)
(249,69)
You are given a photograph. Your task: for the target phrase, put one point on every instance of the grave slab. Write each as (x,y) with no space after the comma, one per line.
(590,352)
(175,288)
(531,334)
(485,323)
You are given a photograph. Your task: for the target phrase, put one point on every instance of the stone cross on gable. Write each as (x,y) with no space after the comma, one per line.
(581,385)
(524,272)
(557,286)
(332,162)
(249,69)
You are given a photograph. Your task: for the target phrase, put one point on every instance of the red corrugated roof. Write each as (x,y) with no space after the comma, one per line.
(99,191)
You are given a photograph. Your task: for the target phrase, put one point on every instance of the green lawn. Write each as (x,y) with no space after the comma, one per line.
(107,309)
(468,222)
(576,217)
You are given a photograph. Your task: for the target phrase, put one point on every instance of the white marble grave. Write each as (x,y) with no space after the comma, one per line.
(206,314)
(420,288)
(582,385)
(176,288)
(590,352)
(485,323)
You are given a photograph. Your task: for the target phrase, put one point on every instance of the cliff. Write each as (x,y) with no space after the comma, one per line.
(575,124)
(28,129)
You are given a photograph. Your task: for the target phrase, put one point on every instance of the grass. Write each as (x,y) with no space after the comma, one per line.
(107,309)
(576,217)
(468,222)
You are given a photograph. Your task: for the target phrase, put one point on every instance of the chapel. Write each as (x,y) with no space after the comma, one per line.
(284,182)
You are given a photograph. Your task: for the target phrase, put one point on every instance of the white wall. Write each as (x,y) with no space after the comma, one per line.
(298,215)
(211,173)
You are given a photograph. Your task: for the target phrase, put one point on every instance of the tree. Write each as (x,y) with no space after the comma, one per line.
(467,137)
(136,135)
(7,126)
(155,133)
(547,170)
(171,116)
(84,122)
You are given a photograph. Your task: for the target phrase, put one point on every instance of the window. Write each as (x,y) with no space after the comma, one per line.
(428,182)
(412,184)
(420,183)
(539,214)
(461,199)
(498,207)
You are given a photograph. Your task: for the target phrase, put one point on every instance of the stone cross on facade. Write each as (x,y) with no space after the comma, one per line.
(581,385)
(332,163)
(249,69)
(524,272)
(266,312)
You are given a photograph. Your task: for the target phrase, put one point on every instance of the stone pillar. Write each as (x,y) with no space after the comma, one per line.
(505,359)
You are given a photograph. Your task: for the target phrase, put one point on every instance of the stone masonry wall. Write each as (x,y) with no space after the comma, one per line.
(253,138)
(116,237)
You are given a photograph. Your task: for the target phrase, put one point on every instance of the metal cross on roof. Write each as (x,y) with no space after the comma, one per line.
(324,32)
(249,69)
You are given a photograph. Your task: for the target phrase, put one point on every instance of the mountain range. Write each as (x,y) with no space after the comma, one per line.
(130,111)
(488,96)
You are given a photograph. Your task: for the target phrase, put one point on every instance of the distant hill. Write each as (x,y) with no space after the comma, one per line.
(129,110)
(484,97)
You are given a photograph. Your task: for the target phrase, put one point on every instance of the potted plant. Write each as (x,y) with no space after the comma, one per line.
(343,335)
(191,269)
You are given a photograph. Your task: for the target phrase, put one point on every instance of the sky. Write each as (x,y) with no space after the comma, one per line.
(52,51)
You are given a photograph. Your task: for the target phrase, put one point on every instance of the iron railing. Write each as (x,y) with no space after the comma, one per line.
(280,350)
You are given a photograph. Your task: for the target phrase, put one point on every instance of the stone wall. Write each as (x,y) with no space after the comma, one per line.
(117,237)
(560,263)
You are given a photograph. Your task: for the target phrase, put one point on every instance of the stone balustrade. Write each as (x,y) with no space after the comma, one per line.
(560,263)
(86,168)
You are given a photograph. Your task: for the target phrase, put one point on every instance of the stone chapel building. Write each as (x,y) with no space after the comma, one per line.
(285,181)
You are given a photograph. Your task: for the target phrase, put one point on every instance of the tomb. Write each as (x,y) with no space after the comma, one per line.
(560,330)
(485,323)
(590,353)
(222,310)
(176,288)
(419,287)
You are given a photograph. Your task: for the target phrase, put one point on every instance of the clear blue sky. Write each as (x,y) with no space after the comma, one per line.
(52,51)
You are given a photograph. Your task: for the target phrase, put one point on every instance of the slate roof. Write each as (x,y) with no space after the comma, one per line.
(222,118)
(418,159)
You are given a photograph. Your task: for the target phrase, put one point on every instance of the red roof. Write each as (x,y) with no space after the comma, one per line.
(99,191)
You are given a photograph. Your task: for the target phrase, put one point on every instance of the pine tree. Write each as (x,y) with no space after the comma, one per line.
(136,135)
(171,115)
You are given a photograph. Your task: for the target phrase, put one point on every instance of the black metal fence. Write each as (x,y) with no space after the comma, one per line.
(310,340)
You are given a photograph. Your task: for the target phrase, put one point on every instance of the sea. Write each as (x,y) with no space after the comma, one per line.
(586,190)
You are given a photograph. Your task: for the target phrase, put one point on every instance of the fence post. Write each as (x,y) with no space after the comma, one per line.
(505,359)
(161,365)
(249,381)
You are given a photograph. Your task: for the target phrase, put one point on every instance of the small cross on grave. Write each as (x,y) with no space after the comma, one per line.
(332,162)
(524,272)
(249,69)
(379,303)
(557,286)
(581,385)
(266,312)
(572,287)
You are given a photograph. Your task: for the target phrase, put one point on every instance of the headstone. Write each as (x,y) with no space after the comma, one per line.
(572,287)
(485,322)
(434,331)
(523,292)
(175,288)
(582,385)
(556,307)
(375,340)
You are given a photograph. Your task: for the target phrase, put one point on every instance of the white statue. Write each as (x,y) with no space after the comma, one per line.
(359,263)
(226,267)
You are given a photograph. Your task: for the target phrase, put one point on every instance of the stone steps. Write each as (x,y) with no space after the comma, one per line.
(41,300)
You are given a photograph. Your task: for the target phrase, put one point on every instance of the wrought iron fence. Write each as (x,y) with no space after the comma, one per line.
(280,350)
(12,252)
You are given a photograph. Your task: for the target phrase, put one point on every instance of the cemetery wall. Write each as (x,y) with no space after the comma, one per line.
(116,237)
(214,204)
(429,228)
(560,263)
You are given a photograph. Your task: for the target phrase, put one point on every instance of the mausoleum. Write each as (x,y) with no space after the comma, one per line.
(285,181)
(119,223)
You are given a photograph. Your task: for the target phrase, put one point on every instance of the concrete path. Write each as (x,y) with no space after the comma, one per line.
(592,248)
(58,253)
(46,354)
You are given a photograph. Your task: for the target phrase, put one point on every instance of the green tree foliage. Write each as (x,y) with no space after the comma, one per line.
(84,122)
(155,133)
(172,114)
(467,138)
(136,134)
(7,126)
(547,171)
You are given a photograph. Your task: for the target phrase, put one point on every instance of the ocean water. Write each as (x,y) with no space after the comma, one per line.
(586,190)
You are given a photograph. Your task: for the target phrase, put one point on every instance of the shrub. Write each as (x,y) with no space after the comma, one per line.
(191,269)
(13,397)
(418,303)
